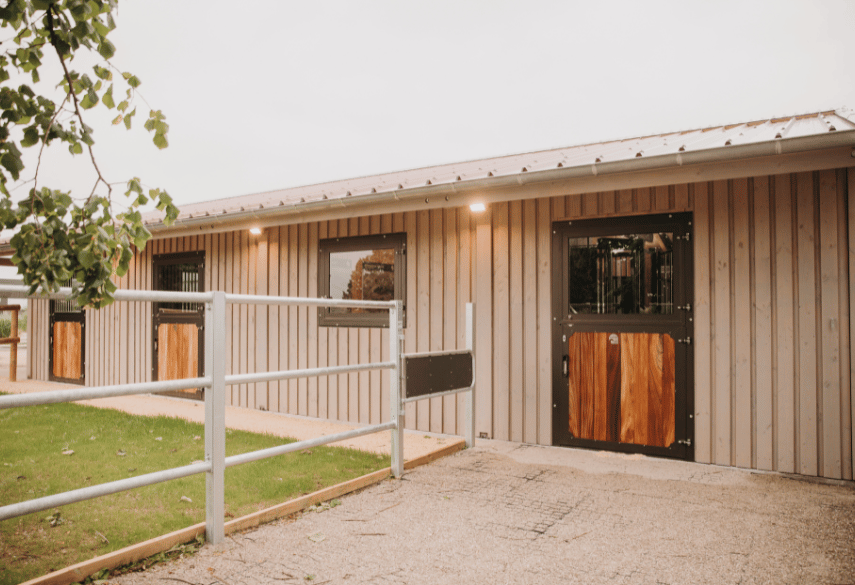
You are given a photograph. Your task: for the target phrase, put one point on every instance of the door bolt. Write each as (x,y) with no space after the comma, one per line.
(687,341)
(686,307)
(686,442)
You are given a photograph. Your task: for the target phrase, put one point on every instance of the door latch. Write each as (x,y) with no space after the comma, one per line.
(686,307)
(686,442)
(687,341)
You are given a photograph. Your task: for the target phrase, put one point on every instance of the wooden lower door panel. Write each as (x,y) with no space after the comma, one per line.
(67,347)
(177,351)
(622,387)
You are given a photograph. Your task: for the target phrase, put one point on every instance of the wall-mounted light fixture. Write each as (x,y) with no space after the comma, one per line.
(477,207)
(256,231)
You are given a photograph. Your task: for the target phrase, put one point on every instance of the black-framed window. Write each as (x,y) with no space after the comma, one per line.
(180,272)
(370,268)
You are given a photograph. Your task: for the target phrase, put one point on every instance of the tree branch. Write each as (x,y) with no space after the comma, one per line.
(44,143)
(73,95)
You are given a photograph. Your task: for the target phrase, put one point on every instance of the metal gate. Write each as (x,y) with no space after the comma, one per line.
(622,374)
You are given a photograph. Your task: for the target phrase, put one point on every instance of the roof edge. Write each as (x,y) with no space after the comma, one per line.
(778,146)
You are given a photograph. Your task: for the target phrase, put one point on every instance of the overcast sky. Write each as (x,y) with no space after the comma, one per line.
(262,95)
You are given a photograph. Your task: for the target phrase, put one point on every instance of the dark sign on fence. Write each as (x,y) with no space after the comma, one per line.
(433,373)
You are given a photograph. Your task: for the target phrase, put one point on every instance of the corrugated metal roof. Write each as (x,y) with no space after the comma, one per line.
(719,137)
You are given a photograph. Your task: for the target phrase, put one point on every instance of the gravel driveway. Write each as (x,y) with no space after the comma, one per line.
(509,513)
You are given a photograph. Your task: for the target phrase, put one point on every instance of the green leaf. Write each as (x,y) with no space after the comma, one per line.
(134,186)
(103,73)
(134,81)
(106,49)
(31,136)
(123,105)
(86,258)
(12,164)
(76,148)
(160,141)
(90,100)
(117,119)
(108,97)
(100,27)
(128,118)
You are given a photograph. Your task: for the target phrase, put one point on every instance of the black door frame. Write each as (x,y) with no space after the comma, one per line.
(55,316)
(679,325)
(159,317)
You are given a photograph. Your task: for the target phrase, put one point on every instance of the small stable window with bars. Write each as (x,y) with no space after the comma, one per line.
(179,273)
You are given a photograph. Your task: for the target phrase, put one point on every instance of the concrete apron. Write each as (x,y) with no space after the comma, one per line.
(510,513)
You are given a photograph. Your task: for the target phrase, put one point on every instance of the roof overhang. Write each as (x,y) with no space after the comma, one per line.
(815,152)
(809,142)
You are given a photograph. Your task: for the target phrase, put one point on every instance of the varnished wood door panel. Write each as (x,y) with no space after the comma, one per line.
(178,351)
(67,343)
(621,387)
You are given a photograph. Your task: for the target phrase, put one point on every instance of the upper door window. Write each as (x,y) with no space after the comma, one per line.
(182,272)
(624,274)
(366,268)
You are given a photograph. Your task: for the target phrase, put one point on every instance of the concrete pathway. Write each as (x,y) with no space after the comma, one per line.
(416,443)
(509,513)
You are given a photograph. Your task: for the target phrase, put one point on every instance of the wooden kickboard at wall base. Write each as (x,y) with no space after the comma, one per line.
(143,550)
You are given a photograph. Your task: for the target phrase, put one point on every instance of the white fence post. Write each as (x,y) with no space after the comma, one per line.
(215,417)
(396,390)
(470,396)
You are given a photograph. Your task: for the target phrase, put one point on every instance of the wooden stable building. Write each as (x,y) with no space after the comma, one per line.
(683,295)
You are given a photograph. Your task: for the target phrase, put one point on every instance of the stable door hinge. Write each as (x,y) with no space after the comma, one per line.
(686,442)
(687,341)
(686,237)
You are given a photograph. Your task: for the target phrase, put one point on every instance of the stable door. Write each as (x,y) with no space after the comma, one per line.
(67,335)
(622,337)
(177,327)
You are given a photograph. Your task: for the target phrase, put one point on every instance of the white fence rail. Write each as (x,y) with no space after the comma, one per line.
(215,382)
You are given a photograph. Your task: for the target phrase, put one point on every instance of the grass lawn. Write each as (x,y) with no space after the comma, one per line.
(109,445)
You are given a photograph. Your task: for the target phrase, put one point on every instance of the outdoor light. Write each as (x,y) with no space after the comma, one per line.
(477,207)
(256,231)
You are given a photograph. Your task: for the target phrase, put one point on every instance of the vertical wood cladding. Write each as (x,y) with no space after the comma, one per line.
(773,272)
(772,357)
